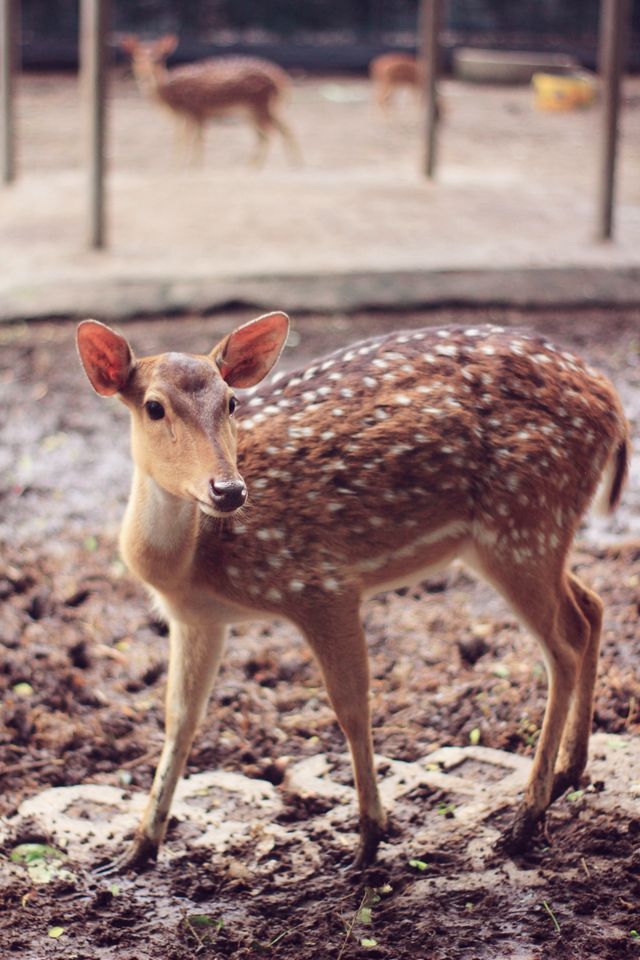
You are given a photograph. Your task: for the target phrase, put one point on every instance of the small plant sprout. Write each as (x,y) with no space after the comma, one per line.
(552,915)
(363,915)
(418,864)
(43,863)
(202,927)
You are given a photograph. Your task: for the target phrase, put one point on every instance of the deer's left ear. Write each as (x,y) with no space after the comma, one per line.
(247,355)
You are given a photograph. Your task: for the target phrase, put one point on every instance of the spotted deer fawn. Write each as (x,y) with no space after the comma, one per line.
(210,88)
(391,71)
(369,469)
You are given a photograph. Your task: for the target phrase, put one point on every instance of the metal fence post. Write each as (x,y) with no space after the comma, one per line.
(93,76)
(9,10)
(431,14)
(614,21)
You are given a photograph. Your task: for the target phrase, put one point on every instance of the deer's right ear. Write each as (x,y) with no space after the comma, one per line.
(165,46)
(128,43)
(106,357)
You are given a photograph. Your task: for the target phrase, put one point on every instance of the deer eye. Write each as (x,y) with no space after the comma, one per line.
(154,409)
(233,405)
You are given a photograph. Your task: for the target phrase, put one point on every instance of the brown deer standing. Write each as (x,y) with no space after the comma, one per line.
(368,469)
(210,88)
(391,71)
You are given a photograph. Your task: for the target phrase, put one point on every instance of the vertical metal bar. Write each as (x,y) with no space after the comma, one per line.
(430,21)
(8,58)
(93,64)
(614,17)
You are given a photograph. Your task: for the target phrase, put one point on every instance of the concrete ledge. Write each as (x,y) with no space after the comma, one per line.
(119,296)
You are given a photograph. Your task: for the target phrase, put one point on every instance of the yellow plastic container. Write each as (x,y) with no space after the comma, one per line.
(563,92)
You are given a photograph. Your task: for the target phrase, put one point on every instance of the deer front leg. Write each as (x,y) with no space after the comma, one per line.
(194,658)
(339,644)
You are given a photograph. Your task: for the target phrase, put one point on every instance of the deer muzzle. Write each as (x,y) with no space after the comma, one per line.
(227,496)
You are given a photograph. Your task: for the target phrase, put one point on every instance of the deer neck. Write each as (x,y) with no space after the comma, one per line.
(151,78)
(159,533)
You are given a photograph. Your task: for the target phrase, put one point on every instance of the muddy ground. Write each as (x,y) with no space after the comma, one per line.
(83,673)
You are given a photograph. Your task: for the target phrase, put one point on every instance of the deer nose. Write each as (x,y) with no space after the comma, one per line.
(227,495)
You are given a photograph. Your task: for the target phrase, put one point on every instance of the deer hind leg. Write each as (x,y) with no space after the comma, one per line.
(195,141)
(572,757)
(262,126)
(340,647)
(381,94)
(194,658)
(546,602)
(563,631)
(291,144)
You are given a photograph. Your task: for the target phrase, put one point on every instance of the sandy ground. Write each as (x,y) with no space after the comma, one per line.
(515,189)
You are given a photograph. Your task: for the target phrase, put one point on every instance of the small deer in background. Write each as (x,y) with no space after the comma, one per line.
(391,71)
(371,468)
(210,88)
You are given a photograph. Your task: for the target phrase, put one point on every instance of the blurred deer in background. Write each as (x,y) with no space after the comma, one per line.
(369,469)
(200,91)
(390,72)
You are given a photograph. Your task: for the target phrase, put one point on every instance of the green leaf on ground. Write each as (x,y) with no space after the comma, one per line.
(43,863)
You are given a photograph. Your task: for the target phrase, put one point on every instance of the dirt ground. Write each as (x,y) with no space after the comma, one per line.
(83,672)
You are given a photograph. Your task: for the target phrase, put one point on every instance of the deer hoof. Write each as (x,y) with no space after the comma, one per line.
(142,854)
(371,833)
(516,839)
